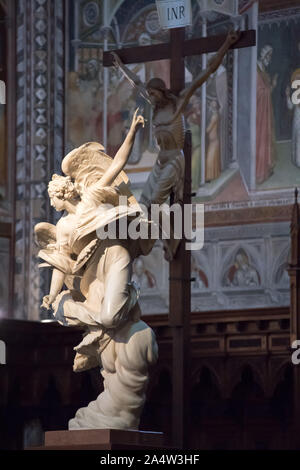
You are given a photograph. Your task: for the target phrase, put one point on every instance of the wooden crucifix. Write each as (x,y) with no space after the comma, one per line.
(180,266)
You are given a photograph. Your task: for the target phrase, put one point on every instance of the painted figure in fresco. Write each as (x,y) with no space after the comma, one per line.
(296,121)
(213,158)
(200,280)
(142,276)
(97,272)
(168,172)
(91,77)
(217,90)
(242,274)
(84,110)
(265,136)
(193,118)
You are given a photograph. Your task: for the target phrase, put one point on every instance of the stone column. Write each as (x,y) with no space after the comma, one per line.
(40,138)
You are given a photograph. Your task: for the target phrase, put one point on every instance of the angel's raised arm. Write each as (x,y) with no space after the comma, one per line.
(186,94)
(123,153)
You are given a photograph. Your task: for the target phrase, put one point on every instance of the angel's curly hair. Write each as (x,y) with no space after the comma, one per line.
(62,187)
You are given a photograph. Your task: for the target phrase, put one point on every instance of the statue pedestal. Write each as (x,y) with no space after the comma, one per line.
(102,439)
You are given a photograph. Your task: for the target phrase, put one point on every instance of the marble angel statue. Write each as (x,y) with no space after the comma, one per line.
(167,174)
(97,272)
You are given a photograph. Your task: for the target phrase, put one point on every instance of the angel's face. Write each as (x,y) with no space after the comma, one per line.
(57,203)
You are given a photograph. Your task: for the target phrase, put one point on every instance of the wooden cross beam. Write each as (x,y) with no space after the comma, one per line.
(176,50)
(180,267)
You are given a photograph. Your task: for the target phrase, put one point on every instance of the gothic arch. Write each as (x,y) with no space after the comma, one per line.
(137,14)
(205,397)
(196,373)
(158,373)
(157,413)
(279,263)
(237,378)
(114,10)
(202,262)
(279,374)
(282,398)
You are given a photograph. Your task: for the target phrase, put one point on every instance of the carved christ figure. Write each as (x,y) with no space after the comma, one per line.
(167,174)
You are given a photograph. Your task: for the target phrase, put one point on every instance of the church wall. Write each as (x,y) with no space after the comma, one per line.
(239,265)
(240,369)
(44,106)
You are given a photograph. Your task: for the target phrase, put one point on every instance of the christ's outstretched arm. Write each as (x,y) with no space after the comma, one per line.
(186,94)
(133,79)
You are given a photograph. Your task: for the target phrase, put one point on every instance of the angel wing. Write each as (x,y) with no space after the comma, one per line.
(87,164)
(45,234)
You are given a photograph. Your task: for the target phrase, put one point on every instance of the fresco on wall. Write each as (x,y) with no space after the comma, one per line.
(198,275)
(241,272)
(132,25)
(142,276)
(221,175)
(210,125)
(275,162)
(227,274)
(278,120)
(150,274)
(139,26)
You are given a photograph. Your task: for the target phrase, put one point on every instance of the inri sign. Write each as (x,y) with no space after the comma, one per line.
(174,13)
